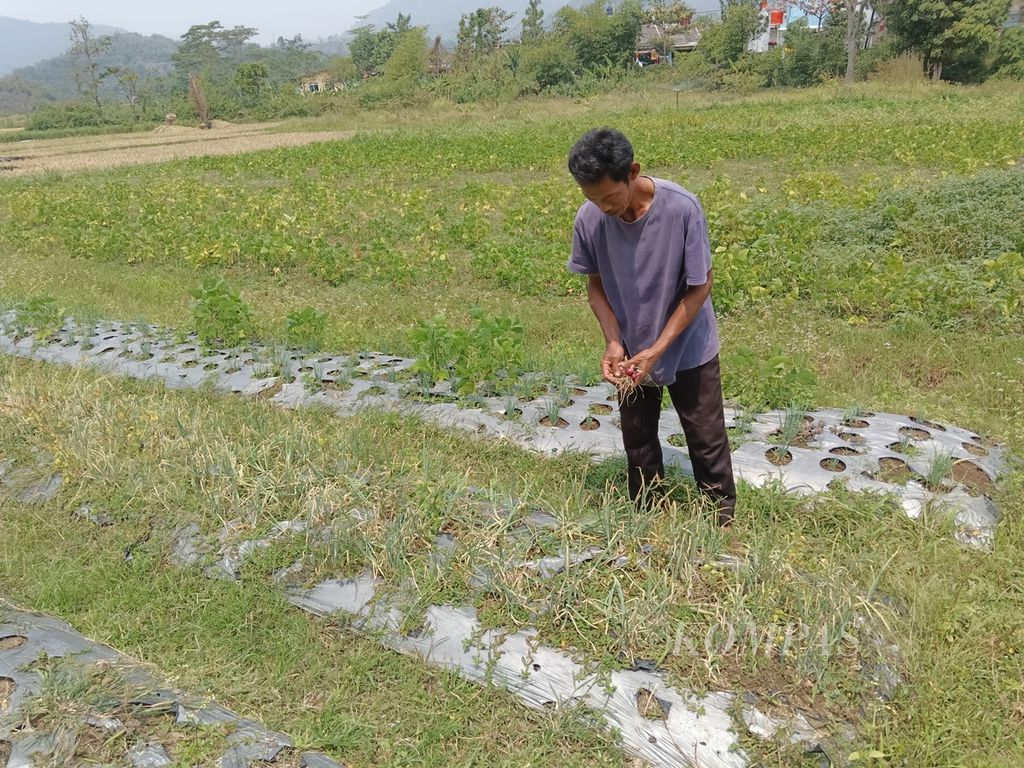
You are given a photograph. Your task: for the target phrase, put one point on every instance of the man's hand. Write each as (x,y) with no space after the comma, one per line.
(611,363)
(642,364)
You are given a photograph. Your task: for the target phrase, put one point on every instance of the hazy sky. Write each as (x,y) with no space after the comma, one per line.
(311,19)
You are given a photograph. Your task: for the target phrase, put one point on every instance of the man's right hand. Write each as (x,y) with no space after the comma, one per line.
(614,355)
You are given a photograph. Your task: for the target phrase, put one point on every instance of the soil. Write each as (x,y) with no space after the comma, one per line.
(915,434)
(845,451)
(972,476)
(160,145)
(893,470)
(779,456)
(851,437)
(269,392)
(929,424)
(546,422)
(579,392)
(516,413)
(832,465)
(649,707)
(975,450)
(601,409)
(11,642)
(5,753)
(7,688)
(589,424)
(856,424)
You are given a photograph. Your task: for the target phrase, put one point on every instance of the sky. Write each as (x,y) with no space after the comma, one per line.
(312,19)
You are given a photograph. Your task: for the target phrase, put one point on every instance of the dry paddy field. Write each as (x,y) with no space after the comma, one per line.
(164,143)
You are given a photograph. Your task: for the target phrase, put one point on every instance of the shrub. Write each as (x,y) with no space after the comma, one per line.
(220,315)
(305,327)
(771,380)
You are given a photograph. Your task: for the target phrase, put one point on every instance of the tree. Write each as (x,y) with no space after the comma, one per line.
(855,10)
(819,9)
(406,70)
(250,79)
(945,32)
(128,82)
(198,50)
(671,15)
(89,49)
(597,38)
(370,49)
(480,32)
(342,70)
(723,43)
(533,23)
(230,42)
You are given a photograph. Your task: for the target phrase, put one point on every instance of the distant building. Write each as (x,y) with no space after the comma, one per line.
(319,82)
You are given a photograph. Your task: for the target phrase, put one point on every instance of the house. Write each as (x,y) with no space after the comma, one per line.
(319,82)
(656,44)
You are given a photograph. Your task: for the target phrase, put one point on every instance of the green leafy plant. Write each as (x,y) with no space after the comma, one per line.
(41,314)
(305,328)
(220,315)
(487,353)
(771,380)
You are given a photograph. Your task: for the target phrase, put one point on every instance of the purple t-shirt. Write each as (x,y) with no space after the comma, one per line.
(645,267)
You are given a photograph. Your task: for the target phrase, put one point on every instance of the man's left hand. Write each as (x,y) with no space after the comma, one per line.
(643,364)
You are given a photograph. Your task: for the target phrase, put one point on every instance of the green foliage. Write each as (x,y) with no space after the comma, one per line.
(761,381)
(952,35)
(219,314)
(40,313)
(533,23)
(73,115)
(305,327)
(812,56)
(407,68)
(598,39)
(723,43)
(1008,54)
(481,32)
(485,355)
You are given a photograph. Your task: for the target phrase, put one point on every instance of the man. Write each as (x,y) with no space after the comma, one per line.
(643,244)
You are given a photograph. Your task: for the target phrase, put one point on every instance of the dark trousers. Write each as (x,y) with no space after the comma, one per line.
(697,397)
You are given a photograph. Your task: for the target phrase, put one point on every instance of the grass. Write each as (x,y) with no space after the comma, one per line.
(872,237)
(156,459)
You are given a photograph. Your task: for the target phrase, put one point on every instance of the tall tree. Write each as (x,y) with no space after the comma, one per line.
(198,49)
(945,31)
(598,38)
(533,22)
(480,32)
(88,49)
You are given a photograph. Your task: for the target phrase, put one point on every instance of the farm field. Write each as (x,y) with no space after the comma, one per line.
(869,256)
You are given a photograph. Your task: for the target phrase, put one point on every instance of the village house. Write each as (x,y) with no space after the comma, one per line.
(319,82)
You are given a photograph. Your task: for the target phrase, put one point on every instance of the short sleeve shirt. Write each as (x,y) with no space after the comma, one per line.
(645,267)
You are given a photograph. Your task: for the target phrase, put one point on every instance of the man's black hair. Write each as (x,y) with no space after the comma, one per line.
(599,153)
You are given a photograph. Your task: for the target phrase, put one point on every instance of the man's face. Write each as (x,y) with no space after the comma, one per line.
(612,197)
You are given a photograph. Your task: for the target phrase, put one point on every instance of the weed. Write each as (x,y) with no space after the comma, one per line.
(219,314)
(305,327)
(41,314)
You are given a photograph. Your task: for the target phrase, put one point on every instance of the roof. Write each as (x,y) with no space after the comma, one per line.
(683,40)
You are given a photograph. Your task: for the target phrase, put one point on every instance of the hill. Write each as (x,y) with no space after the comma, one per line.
(29,42)
(54,78)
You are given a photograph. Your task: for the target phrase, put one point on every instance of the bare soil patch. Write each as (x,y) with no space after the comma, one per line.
(971,475)
(11,642)
(160,145)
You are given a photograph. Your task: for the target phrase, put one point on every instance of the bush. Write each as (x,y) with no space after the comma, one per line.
(220,315)
(762,381)
(72,115)
(482,357)
(305,328)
